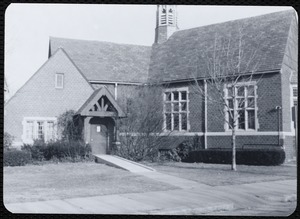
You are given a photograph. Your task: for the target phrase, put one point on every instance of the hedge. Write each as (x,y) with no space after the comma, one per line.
(266,157)
(16,158)
(58,150)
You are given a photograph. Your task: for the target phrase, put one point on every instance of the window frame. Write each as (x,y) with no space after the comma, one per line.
(293,99)
(179,103)
(57,75)
(245,108)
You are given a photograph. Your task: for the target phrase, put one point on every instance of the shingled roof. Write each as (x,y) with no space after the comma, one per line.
(182,56)
(106,61)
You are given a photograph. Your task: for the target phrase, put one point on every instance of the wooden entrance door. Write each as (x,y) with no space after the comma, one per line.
(101,135)
(99,138)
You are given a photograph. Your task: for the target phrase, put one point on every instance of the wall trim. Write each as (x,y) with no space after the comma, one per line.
(241,133)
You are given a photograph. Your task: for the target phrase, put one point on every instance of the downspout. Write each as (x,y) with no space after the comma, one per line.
(278,108)
(205,114)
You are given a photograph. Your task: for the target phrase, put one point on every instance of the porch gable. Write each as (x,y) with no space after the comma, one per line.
(101,104)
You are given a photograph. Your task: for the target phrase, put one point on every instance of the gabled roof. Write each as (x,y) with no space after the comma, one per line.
(182,56)
(85,109)
(106,61)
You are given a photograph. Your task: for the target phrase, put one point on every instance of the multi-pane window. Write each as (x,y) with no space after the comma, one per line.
(176,110)
(39,130)
(245,105)
(59,80)
(295,96)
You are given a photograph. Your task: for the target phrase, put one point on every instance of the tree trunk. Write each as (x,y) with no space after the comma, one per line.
(233,139)
(233,165)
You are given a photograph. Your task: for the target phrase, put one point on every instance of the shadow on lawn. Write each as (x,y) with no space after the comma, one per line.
(289,171)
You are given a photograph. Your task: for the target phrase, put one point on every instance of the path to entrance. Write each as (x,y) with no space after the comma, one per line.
(122,163)
(146,171)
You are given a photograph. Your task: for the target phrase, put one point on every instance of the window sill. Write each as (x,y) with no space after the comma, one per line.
(242,131)
(179,132)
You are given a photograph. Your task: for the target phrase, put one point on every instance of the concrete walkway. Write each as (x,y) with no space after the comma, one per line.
(119,162)
(192,198)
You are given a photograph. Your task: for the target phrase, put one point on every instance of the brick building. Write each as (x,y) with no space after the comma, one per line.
(96,79)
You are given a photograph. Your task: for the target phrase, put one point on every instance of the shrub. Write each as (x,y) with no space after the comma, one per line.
(75,150)
(70,126)
(36,150)
(58,150)
(169,155)
(7,140)
(184,149)
(16,158)
(248,157)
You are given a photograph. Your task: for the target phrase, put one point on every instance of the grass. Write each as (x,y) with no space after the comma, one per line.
(219,174)
(68,180)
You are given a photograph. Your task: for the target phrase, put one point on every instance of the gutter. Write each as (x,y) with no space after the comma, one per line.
(115,82)
(207,78)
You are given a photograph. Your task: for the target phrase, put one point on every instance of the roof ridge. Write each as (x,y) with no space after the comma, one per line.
(240,19)
(95,41)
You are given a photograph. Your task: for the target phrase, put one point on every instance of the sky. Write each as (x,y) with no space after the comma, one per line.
(29,26)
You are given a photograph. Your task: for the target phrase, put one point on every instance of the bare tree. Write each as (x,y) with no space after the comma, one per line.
(143,130)
(230,65)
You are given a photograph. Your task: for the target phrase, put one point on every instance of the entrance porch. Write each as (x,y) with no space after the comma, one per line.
(100,113)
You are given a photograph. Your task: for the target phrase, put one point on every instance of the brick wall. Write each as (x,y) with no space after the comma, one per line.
(39,97)
(161,34)
(269,96)
(243,141)
(289,67)
(288,71)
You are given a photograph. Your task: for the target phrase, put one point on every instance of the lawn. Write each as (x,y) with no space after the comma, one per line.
(219,174)
(68,180)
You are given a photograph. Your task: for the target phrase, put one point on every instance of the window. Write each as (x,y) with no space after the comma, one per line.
(50,130)
(59,80)
(39,128)
(294,106)
(176,110)
(295,96)
(40,132)
(245,106)
(29,129)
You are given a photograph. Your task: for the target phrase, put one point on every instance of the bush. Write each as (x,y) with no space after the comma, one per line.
(16,158)
(70,126)
(7,140)
(36,150)
(58,150)
(169,155)
(75,150)
(267,157)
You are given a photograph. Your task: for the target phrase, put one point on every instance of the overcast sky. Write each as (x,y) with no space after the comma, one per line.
(29,26)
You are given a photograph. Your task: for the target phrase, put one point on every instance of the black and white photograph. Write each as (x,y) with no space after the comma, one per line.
(114,109)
